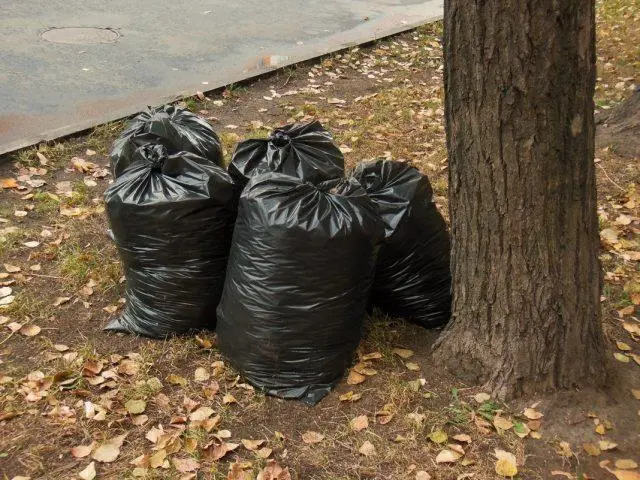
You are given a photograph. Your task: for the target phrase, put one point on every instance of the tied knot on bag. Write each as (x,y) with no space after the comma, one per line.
(155,155)
(280,139)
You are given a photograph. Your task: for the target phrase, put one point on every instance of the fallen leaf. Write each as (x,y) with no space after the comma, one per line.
(422,475)
(201,414)
(139,420)
(107,452)
(625,464)
(367,449)
(5,291)
(31,244)
(403,352)
(448,456)
(350,397)
(89,473)
(174,379)
(532,414)
(7,300)
(9,183)
(82,451)
(252,444)
(505,464)
(438,436)
(355,378)
(414,367)
(310,437)
(600,429)
(502,423)
(591,449)
(621,357)
(623,346)
(521,429)
(359,423)
(215,452)
(30,330)
(135,406)
(229,399)
(201,374)
(607,445)
(184,465)
(482,397)
(11,268)
(562,474)
(264,452)
(626,474)
(237,472)
(273,471)
(462,437)
(60,301)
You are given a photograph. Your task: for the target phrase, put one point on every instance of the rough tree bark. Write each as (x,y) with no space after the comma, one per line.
(519,84)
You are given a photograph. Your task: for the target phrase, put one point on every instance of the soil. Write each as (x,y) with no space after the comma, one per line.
(619,127)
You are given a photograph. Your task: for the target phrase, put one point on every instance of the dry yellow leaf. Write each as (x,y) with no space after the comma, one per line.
(591,449)
(502,423)
(607,445)
(448,456)
(506,465)
(309,437)
(532,414)
(623,346)
(404,353)
(600,429)
(355,378)
(367,449)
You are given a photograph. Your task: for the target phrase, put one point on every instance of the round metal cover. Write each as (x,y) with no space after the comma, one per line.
(80,35)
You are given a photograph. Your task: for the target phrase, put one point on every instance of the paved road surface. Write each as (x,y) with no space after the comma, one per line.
(156,50)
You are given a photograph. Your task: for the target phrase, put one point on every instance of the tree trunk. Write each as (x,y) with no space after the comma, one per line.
(519,84)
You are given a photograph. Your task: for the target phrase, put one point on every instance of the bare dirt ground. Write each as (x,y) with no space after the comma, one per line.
(74,399)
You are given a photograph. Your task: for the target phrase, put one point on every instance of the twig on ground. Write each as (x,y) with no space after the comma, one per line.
(609,178)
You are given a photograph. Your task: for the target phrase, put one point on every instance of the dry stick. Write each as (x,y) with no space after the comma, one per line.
(609,178)
(45,276)
(287,81)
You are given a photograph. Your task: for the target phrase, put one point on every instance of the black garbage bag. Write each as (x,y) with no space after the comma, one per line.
(303,150)
(413,278)
(176,128)
(172,218)
(297,287)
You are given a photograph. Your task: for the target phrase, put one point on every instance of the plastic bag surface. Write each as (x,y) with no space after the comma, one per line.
(172,218)
(176,128)
(413,278)
(298,282)
(303,150)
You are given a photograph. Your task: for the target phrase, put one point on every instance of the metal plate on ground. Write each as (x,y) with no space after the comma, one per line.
(108,60)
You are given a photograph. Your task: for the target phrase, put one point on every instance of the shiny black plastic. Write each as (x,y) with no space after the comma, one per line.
(176,128)
(298,282)
(172,218)
(302,150)
(413,278)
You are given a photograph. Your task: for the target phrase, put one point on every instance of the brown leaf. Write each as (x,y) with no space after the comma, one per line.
(82,451)
(448,456)
(591,449)
(626,464)
(8,183)
(252,444)
(215,452)
(264,452)
(30,330)
(11,268)
(107,452)
(355,378)
(403,353)
(273,471)
(367,449)
(502,423)
(128,367)
(81,165)
(184,465)
(626,474)
(310,437)
(237,472)
(228,399)
(201,414)
(359,423)
(60,301)
(532,414)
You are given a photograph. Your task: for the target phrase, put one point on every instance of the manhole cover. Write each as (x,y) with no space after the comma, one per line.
(80,35)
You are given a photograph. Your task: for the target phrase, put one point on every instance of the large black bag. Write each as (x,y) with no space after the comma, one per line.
(297,287)
(176,128)
(302,150)
(172,218)
(413,278)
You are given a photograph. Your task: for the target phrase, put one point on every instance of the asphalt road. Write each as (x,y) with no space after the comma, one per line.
(157,50)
